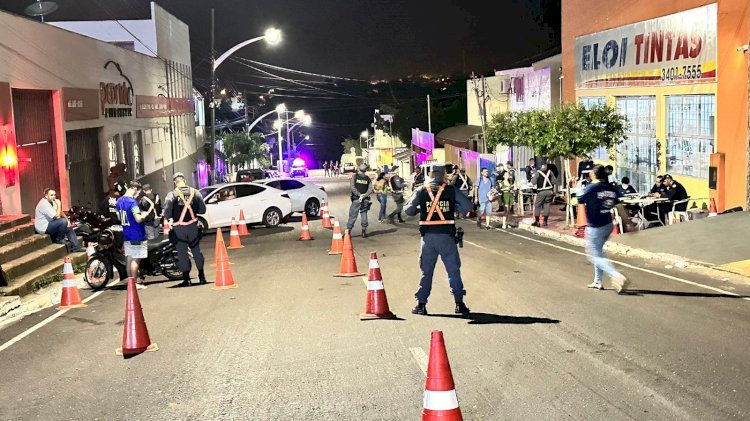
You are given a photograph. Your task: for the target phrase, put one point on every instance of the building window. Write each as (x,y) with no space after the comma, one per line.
(637,156)
(114,150)
(690,134)
(589,102)
(138,155)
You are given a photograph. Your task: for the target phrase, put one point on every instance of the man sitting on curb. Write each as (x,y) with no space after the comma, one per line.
(48,219)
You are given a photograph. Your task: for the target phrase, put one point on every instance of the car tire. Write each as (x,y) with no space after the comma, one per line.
(312,207)
(272,217)
(202,222)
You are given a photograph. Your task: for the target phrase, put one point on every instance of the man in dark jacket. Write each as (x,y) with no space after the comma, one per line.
(361,190)
(397,192)
(675,192)
(150,200)
(180,208)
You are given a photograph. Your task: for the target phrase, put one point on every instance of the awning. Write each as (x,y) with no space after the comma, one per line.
(459,136)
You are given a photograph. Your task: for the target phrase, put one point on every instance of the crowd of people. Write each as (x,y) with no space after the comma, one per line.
(331,168)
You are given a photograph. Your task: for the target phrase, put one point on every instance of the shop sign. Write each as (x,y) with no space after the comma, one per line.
(160,106)
(80,104)
(116,97)
(670,50)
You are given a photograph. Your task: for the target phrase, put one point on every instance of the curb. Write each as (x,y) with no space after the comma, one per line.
(20,307)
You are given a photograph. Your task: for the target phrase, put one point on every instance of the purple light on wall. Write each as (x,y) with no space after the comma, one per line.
(202,169)
(424,140)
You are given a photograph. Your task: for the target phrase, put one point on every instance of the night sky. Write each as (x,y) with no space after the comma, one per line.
(377,39)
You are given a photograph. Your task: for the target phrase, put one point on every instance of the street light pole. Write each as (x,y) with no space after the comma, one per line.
(212,154)
(280,166)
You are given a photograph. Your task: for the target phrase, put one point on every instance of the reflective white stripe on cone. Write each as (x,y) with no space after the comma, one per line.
(440,400)
(375,285)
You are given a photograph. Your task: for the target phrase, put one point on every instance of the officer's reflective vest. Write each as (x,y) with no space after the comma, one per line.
(437,210)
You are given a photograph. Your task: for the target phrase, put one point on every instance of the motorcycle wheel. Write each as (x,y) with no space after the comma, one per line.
(96,274)
(171,268)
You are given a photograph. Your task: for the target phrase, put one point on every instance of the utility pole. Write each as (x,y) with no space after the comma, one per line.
(482,105)
(212,105)
(429,117)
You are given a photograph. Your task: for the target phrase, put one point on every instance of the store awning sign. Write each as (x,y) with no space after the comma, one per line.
(671,50)
(116,97)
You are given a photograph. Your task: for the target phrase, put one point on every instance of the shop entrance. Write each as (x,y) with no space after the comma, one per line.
(85,173)
(32,111)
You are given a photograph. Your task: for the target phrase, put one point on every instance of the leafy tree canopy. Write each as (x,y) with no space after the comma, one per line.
(242,149)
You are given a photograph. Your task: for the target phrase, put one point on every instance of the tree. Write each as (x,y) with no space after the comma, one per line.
(350,143)
(242,149)
(569,132)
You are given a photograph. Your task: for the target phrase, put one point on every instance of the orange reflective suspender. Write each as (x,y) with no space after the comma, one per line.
(435,207)
(186,208)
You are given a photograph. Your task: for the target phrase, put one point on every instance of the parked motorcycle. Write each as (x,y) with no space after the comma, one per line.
(108,256)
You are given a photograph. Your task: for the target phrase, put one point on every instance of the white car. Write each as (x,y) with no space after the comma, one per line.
(348,167)
(306,197)
(260,204)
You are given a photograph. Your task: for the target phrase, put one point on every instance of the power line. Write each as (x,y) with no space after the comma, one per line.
(303,72)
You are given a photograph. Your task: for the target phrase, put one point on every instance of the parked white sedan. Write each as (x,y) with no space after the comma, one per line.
(306,197)
(260,204)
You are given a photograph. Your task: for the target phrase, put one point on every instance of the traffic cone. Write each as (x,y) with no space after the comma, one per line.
(135,339)
(234,237)
(224,277)
(165,228)
(376,303)
(242,227)
(615,223)
(219,250)
(440,401)
(326,216)
(337,243)
(348,267)
(305,233)
(581,221)
(71,297)
(713,211)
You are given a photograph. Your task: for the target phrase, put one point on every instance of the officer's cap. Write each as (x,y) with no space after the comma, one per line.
(437,168)
(178,175)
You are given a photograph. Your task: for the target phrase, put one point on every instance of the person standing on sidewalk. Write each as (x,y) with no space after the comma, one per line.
(544,182)
(397,185)
(600,197)
(481,198)
(507,187)
(133,228)
(437,203)
(381,192)
(180,208)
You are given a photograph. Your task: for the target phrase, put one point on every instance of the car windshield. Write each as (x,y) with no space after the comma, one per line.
(207,190)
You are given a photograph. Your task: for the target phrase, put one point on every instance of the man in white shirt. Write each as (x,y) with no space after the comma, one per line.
(48,219)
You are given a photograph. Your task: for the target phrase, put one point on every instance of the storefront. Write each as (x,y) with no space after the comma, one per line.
(77,114)
(678,72)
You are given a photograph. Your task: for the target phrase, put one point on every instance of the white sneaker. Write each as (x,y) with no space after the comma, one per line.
(595,285)
(620,283)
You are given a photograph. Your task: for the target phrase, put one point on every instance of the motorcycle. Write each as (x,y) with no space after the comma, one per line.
(108,255)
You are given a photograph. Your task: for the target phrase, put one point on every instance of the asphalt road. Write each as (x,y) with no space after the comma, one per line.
(288,343)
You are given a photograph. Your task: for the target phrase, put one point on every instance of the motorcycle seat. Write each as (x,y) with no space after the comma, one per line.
(157,243)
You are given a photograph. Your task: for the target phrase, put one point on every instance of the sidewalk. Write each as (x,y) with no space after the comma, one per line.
(717,243)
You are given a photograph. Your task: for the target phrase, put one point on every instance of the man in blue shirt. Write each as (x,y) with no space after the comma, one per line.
(134,231)
(600,197)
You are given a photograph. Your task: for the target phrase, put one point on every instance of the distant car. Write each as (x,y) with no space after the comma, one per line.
(306,197)
(299,167)
(348,167)
(251,175)
(261,204)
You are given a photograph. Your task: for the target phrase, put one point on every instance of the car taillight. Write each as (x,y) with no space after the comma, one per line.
(285,196)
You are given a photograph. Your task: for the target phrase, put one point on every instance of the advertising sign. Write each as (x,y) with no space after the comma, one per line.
(670,50)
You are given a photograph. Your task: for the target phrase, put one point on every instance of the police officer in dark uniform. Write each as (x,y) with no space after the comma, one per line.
(180,208)
(437,204)
(361,189)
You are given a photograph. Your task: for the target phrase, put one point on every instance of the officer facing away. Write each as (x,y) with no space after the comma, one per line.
(437,204)
(181,207)
(361,189)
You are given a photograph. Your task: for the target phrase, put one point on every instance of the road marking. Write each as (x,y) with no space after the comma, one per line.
(420,357)
(48,320)
(627,265)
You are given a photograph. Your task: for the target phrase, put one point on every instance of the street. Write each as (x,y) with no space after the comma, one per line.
(288,343)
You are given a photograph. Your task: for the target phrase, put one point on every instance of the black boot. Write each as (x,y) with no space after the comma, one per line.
(186,280)
(536,222)
(420,309)
(400,219)
(545,221)
(461,308)
(201,277)
(364,232)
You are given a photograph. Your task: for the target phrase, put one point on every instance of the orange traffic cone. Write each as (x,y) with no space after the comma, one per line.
(615,223)
(71,297)
(337,243)
(376,303)
(713,211)
(219,250)
(135,339)
(440,401)
(581,221)
(242,227)
(234,237)
(224,277)
(326,216)
(305,233)
(165,228)
(348,267)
